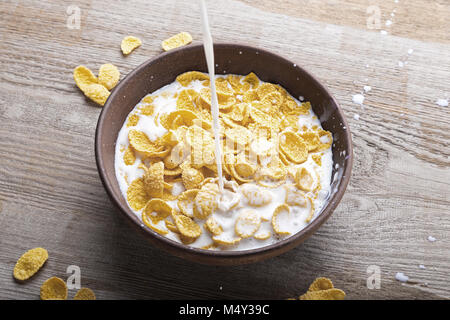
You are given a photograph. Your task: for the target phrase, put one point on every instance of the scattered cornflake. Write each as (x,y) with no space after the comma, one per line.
(129,43)
(54,289)
(108,75)
(30,263)
(84,294)
(181,39)
(322,289)
(330,294)
(401,277)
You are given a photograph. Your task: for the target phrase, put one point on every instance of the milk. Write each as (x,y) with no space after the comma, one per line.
(209,53)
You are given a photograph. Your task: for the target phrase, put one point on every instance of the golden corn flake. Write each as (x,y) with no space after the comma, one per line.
(186,78)
(245,169)
(265,89)
(330,294)
(294,197)
(186,202)
(293,147)
(256,197)
(154,179)
(247,223)
(262,235)
(132,120)
(54,289)
(185,100)
(174,159)
(311,210)
(170,225)
(239,113)
(137,197)
(252,79)
(148,100)
(317,158)
(206,201)
(172,173)
(108,75)
(178,118)
(129,157)
(84,294)
(157,210)
(239,135)
(97,93)
(129,43)
(321,284)
(192,178)
(30,263)
(83,77)
(225,239)
(311,139)
(179,40)
(323,134)
(147,109)
(212,226)
(250,96)
(226,102)
(280,212)
(141,143)
(187,226)
(304,180)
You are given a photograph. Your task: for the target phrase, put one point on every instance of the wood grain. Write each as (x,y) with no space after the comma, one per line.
(51,196)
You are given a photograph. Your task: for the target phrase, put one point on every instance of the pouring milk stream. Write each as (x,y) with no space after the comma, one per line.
(209,53)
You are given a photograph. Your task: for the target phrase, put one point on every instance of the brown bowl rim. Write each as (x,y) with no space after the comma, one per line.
(266,251)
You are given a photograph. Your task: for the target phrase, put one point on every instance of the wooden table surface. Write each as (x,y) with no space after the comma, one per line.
(399,194)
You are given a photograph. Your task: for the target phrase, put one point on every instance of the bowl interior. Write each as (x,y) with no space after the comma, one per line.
(229,59)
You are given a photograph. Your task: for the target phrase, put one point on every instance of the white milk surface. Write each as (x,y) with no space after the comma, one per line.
(295,221)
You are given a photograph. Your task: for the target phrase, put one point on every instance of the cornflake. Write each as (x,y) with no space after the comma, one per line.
(277,214)
(54,289)
(294,148)
(137,197)
(187,226)
(129,43)
(30,263)
(179,40)
(154,179)
(247,223)
(304,180)
(213,227)
(108,75)
(84,294)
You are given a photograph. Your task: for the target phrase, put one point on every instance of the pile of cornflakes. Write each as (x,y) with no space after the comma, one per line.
(263,147)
